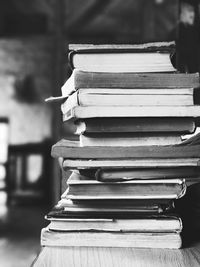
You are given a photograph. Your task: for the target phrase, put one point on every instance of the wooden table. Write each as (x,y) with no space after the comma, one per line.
(118,257)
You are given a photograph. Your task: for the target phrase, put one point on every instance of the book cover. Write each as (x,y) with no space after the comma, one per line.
(129,139)
(79,188)
(72,150)
(135,125)
(156,223)
(147,173)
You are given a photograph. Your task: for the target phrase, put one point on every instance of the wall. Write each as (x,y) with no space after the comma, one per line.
(29,122)
(116,21)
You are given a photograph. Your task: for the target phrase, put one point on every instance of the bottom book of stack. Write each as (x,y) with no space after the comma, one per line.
(114,233)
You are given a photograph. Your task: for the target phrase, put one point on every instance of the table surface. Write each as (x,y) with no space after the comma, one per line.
(118,257)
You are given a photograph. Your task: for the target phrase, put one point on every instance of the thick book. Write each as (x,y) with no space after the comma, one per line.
(72,150)
(110,239)
(152,57)
(81,79)
(127,140)
(129,97)
(80,112)
(159,223)
(135,125)
(79,188)
(123,174)
(122,62)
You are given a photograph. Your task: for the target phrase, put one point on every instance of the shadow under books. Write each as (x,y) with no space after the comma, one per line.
(189,209)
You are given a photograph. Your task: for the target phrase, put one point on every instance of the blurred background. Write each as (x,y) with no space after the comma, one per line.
(34,36)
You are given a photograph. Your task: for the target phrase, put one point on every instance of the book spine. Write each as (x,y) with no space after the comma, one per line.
(70,59)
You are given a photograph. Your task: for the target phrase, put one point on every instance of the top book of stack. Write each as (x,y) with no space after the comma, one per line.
(151,57)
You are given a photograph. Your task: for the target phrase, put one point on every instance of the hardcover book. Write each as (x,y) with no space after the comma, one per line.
(79,188)
(117,239)
(128,139)
(147,173)
(159,223)
(72,150)
(135,125)
(79,112)
(150,57)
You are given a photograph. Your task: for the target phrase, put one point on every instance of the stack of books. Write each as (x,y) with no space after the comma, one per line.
(131,108)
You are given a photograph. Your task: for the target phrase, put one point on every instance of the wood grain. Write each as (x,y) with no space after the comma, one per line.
(118,257)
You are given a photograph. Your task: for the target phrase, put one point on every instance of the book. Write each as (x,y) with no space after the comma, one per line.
(152,57)
(126,210)
(79,112)
(160,223)
(97,239)
(127,140)
(135,125)
(125,174)
(101,211)
(79,188)
(152,205)
(129,97)
(129,163)
(72,150)
(122,61)
(81,79)
(111,208)
(155,169)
